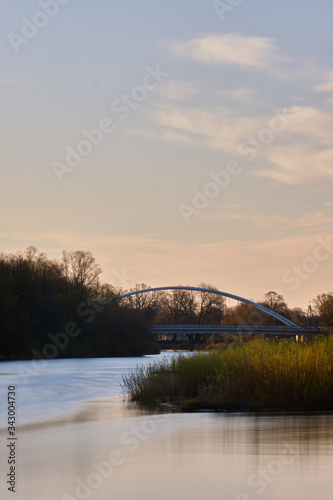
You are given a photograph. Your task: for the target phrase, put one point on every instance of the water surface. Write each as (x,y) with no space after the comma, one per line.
(97,446)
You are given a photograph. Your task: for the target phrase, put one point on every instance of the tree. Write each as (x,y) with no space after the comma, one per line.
(145,302)
(244,314)
(106,293)
(275,302)
(298,316)
(210,306)
(82,271)
(39,297)
(180,305)
(324,307)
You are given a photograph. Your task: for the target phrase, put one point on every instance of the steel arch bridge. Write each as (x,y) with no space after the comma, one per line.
(261,308)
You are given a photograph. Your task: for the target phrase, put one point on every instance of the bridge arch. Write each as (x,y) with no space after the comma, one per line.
(264,309)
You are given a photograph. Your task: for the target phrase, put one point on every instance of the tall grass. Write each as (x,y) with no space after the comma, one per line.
(257,375)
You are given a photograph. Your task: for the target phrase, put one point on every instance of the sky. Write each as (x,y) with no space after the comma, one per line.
(181,142)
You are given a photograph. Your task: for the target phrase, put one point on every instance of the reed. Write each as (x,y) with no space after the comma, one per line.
(257,375)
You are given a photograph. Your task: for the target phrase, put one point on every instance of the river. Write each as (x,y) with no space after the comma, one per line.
(77,439)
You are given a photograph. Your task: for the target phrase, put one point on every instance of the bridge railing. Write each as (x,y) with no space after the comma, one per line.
(222,327)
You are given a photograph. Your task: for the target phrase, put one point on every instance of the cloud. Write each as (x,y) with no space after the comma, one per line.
(326,86)
(177,90)
(300,151)
(317,222)
(298,163)
(312,123)
(246,52)
(257,220)
(220,129)
(300,160)
(243,94)
(166,135)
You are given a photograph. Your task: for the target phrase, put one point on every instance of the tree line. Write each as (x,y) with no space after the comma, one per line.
(41,299)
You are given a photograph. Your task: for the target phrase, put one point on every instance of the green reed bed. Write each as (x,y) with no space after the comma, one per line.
(257,375)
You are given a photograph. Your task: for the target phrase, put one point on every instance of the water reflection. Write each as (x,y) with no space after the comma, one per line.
(77,442)
(215,456)
(59,387)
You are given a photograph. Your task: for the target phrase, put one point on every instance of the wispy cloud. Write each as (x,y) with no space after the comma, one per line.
(177,90)
(243,94)
(166,135)
(221,128)
(302,151)
(298,163)
(327,85)
(251,53)
(308,149)
(316,222)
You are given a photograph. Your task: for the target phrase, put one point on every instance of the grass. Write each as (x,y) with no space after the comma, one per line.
(258,375)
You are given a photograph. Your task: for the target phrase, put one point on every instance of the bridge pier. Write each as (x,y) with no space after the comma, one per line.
(306,336)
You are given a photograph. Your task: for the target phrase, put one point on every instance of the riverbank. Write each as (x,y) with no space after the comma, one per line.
(256,376)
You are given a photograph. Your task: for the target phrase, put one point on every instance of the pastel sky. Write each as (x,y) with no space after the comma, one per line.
(218,164)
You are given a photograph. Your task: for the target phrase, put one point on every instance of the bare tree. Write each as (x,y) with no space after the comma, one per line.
(148,303)
(140,301)
(275,302)
(181,306)
(244,314)
(324,308)
(80,267)
(210,306)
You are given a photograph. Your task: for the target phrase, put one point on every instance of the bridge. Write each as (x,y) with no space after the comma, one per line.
(288,328)
(211,330)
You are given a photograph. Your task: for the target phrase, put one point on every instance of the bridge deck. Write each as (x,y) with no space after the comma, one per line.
(231,329)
